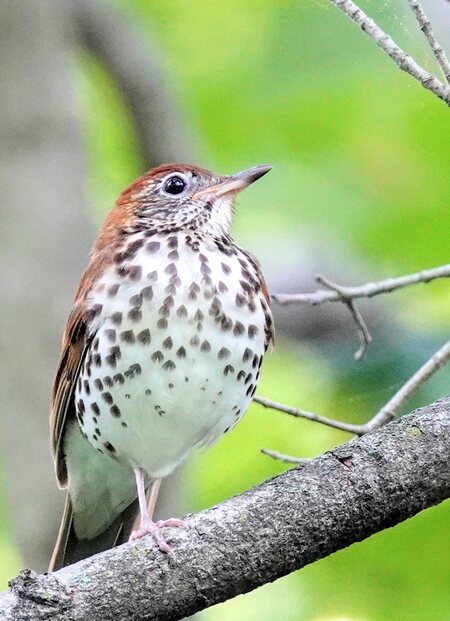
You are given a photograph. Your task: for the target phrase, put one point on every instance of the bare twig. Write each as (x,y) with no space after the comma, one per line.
(384,415)
(427,30)
(388,45)
(393,406)
(288,459)
(363,332)
(368,290)
(312,416)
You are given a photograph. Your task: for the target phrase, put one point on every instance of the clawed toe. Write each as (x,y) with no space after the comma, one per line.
(154,528)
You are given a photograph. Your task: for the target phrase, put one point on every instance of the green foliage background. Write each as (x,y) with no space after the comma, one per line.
(360,153)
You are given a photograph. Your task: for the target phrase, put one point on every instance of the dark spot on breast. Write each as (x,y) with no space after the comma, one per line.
(250,390)
(152,247)
(135,369)
(87,388)
(199,316)
(97,359)
(238,329)
(122,271)
(135,272)
(109,447)
(115,411)
(181,352)
(248,378)
(240,300)
(226,324)
(135,314)
(116,318)
(119,378)
(144,337)
(153,276)
(97,431)
(240,375)
(107,397)
(107,381)
(81,406)
(205,346)
(123,423)
(148,392)
(98,384)
(222,287)
(169,365)
(223,353)
(111,360)
(182,311)
(172,241)
(157,356)
(168,343)
(228,369)
(112,290)
(173,255)
(170,385)
(171,269)
(226,268)
(127,336)
(136,300)
(147,293)
(247,355)
(162,323)
(252,331)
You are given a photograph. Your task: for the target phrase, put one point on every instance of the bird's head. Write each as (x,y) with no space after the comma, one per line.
(179,196)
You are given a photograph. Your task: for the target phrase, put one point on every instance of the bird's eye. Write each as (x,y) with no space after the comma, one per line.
(174,185)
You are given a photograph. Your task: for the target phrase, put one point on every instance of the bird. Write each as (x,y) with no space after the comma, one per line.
(161,353)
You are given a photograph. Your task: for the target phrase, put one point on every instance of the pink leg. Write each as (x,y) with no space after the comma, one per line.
(147,525)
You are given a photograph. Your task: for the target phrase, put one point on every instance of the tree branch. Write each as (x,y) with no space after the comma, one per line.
(368,290)
(427,30)
(388,412)
(388,45)
(344,496)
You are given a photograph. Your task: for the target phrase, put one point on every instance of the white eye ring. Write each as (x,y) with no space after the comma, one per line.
(174,184)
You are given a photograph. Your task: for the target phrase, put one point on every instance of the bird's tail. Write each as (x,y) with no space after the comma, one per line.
(70,549)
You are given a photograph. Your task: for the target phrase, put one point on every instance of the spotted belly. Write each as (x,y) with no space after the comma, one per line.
(171,367)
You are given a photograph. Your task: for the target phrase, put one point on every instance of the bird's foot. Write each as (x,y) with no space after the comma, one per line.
(154,528)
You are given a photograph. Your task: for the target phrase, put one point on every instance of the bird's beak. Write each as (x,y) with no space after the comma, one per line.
(236,183)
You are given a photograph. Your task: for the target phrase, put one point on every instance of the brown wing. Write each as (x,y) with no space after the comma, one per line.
(76,342)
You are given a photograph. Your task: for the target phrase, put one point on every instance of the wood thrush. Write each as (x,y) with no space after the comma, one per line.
(161,353)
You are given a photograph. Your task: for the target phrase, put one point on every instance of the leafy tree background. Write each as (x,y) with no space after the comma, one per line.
(360,155)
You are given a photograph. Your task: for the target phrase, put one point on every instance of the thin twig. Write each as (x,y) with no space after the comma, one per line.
(386,413)
(312,416)
(427,30)
(363,331)
(288,459)
(393,406)
(388,45)
(368,290)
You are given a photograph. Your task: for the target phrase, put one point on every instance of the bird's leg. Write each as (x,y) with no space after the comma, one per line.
(147,525)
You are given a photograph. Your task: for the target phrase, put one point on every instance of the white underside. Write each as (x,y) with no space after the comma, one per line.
(167,412)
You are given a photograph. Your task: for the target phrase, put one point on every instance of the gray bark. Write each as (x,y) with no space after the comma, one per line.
(342,497)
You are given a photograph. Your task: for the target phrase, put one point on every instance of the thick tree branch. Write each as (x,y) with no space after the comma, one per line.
(388,45)
(344,496)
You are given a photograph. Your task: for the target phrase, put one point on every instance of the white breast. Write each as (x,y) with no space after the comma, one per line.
(176,357)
